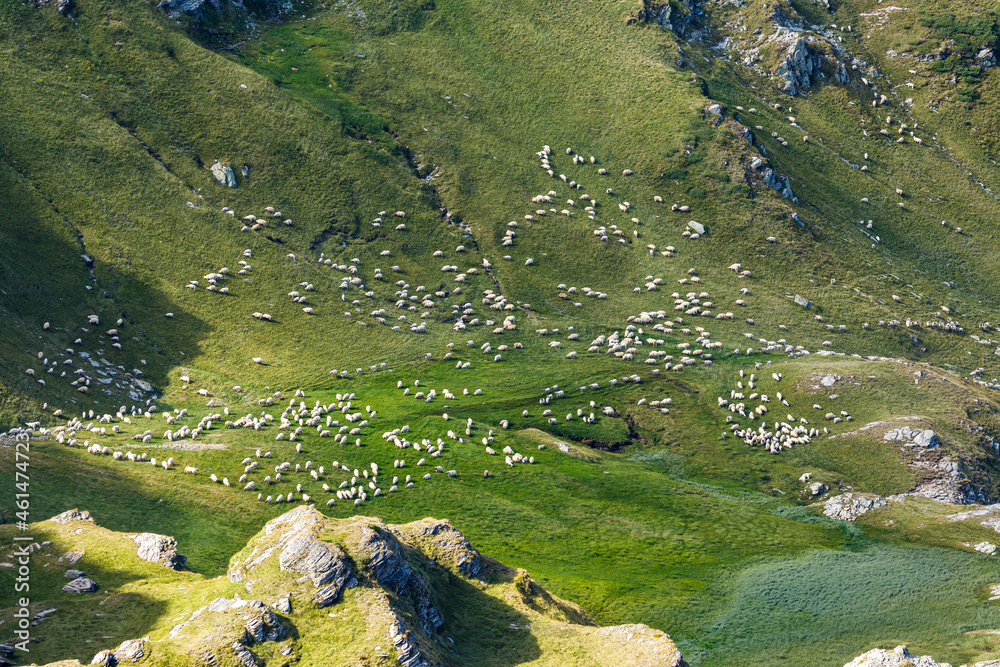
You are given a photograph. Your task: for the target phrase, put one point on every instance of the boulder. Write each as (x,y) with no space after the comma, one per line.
(697,227)
(74,574)
(130,650)
(160,549)
(817,489)
(849,506)
(802,301)
(223,174)
(80,585)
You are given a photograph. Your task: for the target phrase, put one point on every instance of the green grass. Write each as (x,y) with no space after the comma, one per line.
(109,121)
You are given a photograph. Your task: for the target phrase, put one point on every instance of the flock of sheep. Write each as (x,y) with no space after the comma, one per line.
(655,330)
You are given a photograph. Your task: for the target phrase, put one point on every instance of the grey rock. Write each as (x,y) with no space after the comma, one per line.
(985,58)
(73,515)
(284,605)
(849,506)
(898,657)
(80,585)
(105,658)
(74,574)
(756,163)
(986,548)
(72,557)
(407,651)
(798,62)
(697,226)
(223,174)
(130,650)
(802,301)
(320,561)
(160,549)
(817,489)
(714,109)
(244,656)
(913,436)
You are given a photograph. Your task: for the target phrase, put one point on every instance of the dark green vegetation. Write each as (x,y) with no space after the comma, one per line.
(108,125)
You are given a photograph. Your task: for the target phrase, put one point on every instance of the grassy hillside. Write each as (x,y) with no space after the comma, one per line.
(401,144)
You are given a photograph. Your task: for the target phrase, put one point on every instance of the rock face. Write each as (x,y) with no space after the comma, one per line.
(849,506)
(160,549)
(223,173)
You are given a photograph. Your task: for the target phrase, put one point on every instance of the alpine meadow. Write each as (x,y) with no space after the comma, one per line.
(447,333)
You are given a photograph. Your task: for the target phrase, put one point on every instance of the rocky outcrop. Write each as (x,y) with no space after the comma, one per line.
(947,483)
(797,62)
(73,515)
(160,549)
(384,583)
(678,17)
(447,544)
(900,657)
(912,437)
(849,506)
(131,650)
(173,7)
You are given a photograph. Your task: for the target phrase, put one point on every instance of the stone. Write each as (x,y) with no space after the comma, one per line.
(71,557)
(985,58)
(697,227)
(714,109)
(284,605)
(74,574)
(756,163)
(160,549)
(849,506)
(817,489)
(802,301)
(73,515)
(223,174)
(986,548)
(130,650)
(81,585)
